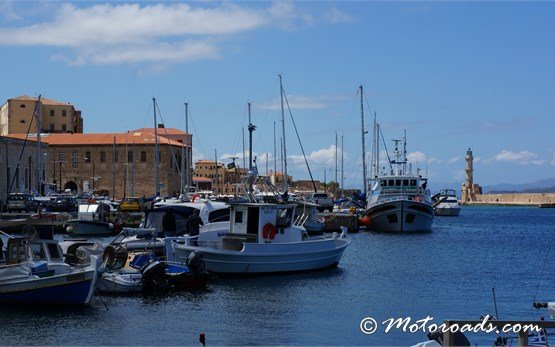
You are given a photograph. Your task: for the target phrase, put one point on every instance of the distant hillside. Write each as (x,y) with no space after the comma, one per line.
(546,185)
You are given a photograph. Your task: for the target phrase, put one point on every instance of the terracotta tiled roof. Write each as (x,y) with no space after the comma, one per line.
(161,131)
(44,101)
(138,138)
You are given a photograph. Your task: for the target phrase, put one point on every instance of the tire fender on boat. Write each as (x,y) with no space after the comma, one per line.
(269,231)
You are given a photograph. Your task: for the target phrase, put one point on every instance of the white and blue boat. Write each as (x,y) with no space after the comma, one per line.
(91,220)
(34,272)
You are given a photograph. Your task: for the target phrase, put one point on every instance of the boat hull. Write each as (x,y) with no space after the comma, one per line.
(401,216)
(256,259)
(447,211)
(67,289)
(120,283)
(85,227)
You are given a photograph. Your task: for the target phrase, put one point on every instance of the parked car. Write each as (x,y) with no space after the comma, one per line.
(21,202)
(63,204)
(322,199)
(132,204)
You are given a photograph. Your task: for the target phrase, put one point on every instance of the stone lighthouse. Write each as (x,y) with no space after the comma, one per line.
(469,189)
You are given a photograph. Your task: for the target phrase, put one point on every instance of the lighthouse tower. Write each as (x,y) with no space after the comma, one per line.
(467,189)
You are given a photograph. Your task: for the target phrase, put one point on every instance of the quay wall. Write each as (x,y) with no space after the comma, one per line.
(521,199)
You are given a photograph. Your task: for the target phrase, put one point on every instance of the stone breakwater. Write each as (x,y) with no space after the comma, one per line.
(516,199)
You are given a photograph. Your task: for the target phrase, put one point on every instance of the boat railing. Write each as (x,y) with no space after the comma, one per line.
(417,198)
(214,244)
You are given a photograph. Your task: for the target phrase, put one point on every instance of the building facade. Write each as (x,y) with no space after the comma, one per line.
(118,165)
(18,166)
(225,179)
(17,116)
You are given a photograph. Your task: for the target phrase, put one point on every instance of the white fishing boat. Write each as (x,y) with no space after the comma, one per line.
(399,200)
(445,203)
(261,239)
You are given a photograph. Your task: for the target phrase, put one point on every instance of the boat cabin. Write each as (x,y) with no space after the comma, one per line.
(93,212)
(261,223)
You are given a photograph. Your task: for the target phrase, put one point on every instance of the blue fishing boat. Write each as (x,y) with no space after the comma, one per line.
(34,272)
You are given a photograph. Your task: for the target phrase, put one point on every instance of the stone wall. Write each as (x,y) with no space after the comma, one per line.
(133,178)
(513,199)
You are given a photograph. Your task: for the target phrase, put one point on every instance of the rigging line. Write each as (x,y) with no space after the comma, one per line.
(23,148)
(147,115)
(386,152)
(173,155)
(544,264)
(300,143)
(192,119)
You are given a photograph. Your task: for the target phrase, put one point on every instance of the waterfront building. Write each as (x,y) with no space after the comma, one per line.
(18,116)
(222,179)
(20,176)
(118,164)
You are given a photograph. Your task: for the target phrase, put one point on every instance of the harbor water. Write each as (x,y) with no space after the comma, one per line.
(446,274)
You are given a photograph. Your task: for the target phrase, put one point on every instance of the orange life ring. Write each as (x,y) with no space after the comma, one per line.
(269,231)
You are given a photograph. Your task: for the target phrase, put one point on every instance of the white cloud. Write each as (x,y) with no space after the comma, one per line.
(520,158)
(337,16)
(552,162)
(322,157)
(302,102)
(453,160)
(124,33)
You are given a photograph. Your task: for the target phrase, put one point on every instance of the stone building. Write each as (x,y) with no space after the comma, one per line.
(225,179)
(20,176)
(118,165)
(17,116)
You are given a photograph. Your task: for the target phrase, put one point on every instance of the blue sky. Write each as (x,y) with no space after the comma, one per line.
(454,74)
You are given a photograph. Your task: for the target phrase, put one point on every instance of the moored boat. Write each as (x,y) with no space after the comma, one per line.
(35,273)
(261,239)
(445,203)
(91,220)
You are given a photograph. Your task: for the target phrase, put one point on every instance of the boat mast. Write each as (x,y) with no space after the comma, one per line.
(156,154)
(251,128)
(342,178)
(405,151)
(275,155)
(217,178)
(364,186)
(286,187)
(335,187)
(114,169)
(39,161)
(187,149)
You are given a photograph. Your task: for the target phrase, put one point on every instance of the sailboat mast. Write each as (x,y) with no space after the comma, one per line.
(184,163)
(335,187)
(156,153)
(275,154)
(286,187)
(364,186)
(342,178)
(251,129)
(114,169)
(39,161)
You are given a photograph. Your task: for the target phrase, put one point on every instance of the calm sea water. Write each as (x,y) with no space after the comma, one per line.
(446,274)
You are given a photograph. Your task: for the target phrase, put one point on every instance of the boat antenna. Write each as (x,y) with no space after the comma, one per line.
(251,128)
(404,151)
(364,186)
